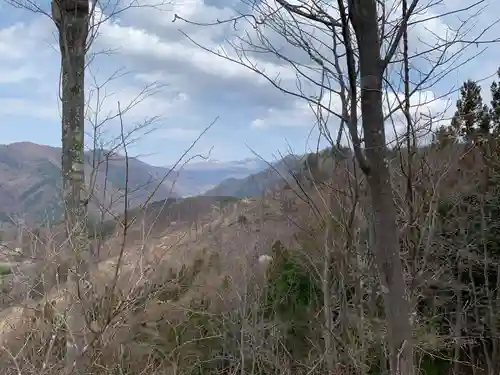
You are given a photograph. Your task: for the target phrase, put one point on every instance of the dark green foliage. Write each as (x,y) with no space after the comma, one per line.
(293,297)
(471,117)
(435,365)
(373,360)
(474,120)
(292,292)
(469,229)
(470,233)
(444,136)
(5,269)
(495,106)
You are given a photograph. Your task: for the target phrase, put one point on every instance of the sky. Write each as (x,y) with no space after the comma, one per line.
(175,88)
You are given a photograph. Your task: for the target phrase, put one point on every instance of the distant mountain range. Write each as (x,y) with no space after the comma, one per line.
(30,181)
(290,170)
(197,178)
(255,184)
(248,164)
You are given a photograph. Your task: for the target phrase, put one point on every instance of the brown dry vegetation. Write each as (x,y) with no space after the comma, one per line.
(195,299)
(371,262)
(161,260)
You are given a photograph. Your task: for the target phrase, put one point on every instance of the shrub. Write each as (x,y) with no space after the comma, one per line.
(5,269)
(292,299)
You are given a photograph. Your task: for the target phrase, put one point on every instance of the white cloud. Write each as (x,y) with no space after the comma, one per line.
(28,51)
(141,107)
(299,115)
(21,39)
(426,109)
(199,85)
(426,23)
(151,19)
(139,43)
(28,108)
(137,103)
(9,74)
(8,50)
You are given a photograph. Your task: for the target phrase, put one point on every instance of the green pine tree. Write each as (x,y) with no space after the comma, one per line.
(444,136)
(495,106)
(472,118)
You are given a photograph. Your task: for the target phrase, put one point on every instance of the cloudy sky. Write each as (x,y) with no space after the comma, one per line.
(146,61)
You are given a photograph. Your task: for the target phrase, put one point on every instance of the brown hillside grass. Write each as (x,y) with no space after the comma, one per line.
(226,249)
(187,290)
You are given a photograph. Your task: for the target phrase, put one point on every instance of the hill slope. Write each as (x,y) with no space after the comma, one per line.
(254,269)
(275,175)
(196,178)
(30,183)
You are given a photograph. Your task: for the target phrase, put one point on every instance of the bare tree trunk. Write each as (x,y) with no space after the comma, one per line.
(330,353)
(71,18)
(365,23)
(457,330)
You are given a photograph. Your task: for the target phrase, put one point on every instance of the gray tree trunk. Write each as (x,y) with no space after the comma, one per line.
(365,23)
(71,18)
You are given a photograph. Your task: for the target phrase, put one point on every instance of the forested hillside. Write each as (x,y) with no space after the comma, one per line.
(375,251)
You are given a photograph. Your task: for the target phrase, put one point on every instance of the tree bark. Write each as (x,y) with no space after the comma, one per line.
(71,18)
(330,352)
(364,16)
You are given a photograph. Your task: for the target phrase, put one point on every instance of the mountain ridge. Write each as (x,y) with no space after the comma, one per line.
(30,181)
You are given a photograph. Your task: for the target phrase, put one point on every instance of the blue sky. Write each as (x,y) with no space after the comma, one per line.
(189,87)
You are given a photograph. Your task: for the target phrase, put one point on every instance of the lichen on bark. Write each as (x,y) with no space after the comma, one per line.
(71,19)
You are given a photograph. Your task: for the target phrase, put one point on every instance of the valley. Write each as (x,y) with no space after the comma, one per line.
(30,187)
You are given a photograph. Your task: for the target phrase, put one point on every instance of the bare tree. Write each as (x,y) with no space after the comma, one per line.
(352,50)
(77,23)
(364,20)
(72,22)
